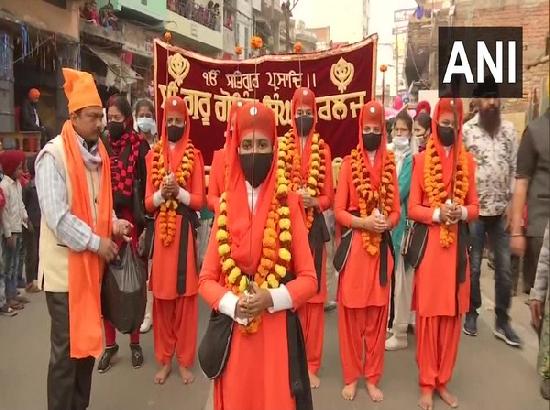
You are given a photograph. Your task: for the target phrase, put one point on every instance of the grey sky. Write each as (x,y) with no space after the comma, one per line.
(345,17)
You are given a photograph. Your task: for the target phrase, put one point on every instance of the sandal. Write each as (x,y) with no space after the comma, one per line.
(7,311)
(16,305)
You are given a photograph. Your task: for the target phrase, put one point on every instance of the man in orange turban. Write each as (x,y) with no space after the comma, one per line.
(175,192)
(73,181)
(30,120)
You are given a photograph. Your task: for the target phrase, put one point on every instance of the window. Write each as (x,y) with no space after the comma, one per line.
(144,2)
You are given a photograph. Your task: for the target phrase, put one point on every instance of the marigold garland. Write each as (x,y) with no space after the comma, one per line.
(369,199)
(277,237)
(317,168)
(167,213)
(435,188)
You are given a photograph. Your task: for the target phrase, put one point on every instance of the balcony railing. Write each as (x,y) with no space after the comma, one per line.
(208,17)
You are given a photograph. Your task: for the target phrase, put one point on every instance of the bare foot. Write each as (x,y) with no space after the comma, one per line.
(186,375)
(314,381)
(349,390)
(163,373)
(448,398)
(426,401)
(375,393)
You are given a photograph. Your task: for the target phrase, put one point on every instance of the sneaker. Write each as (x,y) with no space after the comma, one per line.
(7,311)
(470,325)
(506,333)
(137,356)
(105,359)
(396,342)
(146,325)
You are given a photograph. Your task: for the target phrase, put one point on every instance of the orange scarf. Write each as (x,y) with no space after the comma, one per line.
(86,268)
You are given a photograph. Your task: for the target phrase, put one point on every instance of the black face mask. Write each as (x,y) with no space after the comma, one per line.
(446,135)
(371,141)
(116,129)
(174,133)
(304,124)
(256,167)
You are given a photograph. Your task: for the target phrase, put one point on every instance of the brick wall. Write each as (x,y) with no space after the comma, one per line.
(532,15)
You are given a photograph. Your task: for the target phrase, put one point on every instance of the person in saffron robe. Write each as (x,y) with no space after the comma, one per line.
(442,291)
(175,192)
(309,167)
(127,151)
(216,182)
(73,183)
(366,201)
(258,270)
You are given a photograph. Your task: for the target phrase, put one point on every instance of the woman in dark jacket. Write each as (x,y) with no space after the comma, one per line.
(127,151)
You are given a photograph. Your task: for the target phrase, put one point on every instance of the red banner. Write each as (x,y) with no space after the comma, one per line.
(342,79)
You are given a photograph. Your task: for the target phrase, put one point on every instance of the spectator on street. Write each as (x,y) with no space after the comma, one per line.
(532,188)
(402,295)
(30,120)
(31,235)
(540,313)
(493,143)
(127,151)
(14,217)
(422,130)
(5,308)
(144,111)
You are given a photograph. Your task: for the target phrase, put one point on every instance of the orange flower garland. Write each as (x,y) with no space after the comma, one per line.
(276,255)
(317,168)
(435,188)
(167,213)
(369,199)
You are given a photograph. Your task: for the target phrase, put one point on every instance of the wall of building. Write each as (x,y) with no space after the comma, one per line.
(46,16)
(532,15)
(154,8)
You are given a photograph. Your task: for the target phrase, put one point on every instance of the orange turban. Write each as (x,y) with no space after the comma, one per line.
(80,90)
(34,93)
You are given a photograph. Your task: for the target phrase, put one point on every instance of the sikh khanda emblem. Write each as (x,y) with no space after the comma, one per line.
(341,74)
(178,67)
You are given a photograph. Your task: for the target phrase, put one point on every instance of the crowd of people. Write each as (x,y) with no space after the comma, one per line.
(439,187)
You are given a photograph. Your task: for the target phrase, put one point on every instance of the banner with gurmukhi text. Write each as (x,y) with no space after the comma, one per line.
(342,79)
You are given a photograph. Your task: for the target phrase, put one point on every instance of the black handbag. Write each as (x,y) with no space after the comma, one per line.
(342,252)
(416,239)
(215,344)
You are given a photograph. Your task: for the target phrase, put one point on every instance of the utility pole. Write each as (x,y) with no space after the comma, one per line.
(287,7)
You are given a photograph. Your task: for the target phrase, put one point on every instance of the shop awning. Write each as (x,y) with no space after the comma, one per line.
(119,74)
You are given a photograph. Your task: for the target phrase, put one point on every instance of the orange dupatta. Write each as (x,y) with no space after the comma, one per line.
(86,268)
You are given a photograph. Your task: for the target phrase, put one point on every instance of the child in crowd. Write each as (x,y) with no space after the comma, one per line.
(31,235)
(14,217)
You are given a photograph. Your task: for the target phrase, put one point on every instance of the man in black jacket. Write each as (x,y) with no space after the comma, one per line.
(30,120)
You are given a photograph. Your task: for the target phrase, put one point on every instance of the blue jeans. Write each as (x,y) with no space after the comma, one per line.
(493,228)
(13,265)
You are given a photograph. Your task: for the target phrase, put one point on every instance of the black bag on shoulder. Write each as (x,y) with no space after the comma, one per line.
(216,344)
(416,239)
